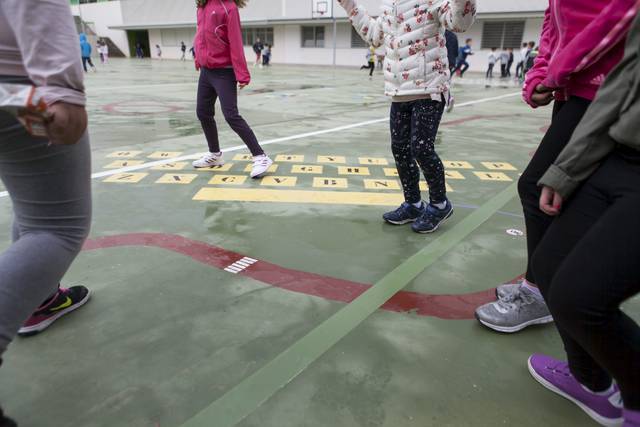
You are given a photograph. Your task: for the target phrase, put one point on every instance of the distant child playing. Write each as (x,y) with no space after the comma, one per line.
(371,61)
(417,79)
(493,58)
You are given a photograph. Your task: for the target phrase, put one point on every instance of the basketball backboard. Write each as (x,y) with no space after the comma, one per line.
(321,8)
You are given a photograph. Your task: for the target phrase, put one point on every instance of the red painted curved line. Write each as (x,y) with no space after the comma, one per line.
(113,109)
(441,306)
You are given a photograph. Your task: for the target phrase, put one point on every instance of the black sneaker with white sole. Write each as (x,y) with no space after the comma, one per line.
(405,214)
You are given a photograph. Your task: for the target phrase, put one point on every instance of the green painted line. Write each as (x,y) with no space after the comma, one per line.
(256,389)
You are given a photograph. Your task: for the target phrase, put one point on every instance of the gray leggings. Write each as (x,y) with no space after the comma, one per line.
(50,188)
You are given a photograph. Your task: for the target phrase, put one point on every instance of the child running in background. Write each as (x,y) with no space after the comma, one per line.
(85,52)
(569,70)
(371,61)
(461,63)
(417,79)
(159,52)
(493,58)
(587,263)
(220,76)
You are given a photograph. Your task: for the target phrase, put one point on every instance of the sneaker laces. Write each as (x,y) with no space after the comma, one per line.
(561,369)
(261,161)
(516,300)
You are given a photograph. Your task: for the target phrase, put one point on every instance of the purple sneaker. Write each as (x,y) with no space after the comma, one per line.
(631,418)
(555,375)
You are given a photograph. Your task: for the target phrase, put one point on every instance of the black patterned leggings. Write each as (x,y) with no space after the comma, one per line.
(414,126)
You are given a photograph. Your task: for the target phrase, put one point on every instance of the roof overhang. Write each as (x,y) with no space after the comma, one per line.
(307,21)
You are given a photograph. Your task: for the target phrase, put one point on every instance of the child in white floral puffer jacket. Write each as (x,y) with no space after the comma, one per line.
(417,78)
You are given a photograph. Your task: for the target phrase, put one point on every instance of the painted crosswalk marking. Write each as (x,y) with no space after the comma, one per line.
(240,265)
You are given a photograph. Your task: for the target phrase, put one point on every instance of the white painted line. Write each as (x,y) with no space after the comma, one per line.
(148,165)
(240,265)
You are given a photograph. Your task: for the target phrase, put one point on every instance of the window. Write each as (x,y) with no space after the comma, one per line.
(249,35)
(312,36)
(502,34)
(356,40)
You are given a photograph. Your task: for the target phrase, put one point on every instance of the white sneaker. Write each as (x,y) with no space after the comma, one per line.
(209,160)
(450,103)
(261,165)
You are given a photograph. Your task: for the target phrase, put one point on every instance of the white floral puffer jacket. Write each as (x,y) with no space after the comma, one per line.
(412,32)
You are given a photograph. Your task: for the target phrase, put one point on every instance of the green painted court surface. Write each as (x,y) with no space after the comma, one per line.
(278,339)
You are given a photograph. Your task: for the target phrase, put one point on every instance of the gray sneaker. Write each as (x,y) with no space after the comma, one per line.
(507,290)
(523,308)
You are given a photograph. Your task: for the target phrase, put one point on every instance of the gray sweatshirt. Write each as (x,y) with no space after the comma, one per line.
(38,41)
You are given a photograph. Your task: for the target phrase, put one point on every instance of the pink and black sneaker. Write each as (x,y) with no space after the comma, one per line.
(63,302)
(604,408)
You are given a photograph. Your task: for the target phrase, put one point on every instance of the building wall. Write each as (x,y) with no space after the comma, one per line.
(288,48)
(103,15)
(287,36)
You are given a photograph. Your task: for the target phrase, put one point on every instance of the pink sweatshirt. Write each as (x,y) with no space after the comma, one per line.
(38,41)
(582,40)
(218,41)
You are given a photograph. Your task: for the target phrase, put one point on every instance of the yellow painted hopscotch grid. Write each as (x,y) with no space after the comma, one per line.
(337,174)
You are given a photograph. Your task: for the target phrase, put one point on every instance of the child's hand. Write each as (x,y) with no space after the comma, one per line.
(542,95)
(67,123)
(242,85)
(550,201)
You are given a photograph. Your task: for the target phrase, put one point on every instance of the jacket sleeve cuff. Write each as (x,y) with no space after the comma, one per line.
(560,181)
(53,94)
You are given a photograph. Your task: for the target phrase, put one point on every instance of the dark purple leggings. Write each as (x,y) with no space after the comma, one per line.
(221,83)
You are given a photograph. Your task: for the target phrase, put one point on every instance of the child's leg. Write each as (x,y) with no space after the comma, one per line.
(51,192)
(226,86)
(585,284)
(205,110)
(465,67)
(408,171)
(566,118)
(425,121)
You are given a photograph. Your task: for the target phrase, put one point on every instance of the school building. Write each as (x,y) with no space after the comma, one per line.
(313,32)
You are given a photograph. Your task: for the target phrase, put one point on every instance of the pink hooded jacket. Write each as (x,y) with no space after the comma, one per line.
(218,41)
(582,40)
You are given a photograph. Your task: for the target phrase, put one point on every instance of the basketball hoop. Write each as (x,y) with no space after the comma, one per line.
(320,8)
